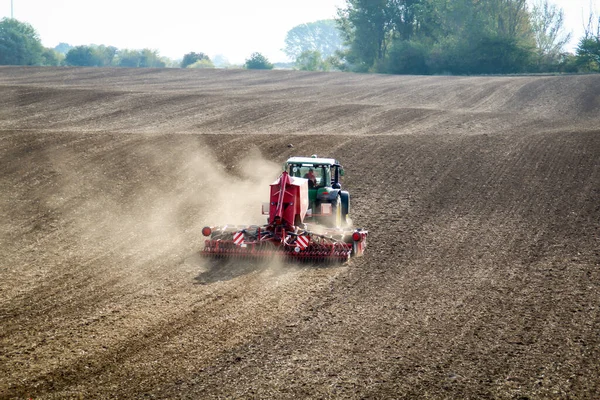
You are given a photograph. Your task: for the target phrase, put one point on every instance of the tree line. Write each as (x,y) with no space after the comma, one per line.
(20,44)
(459,37)
(444,37)
(462,37)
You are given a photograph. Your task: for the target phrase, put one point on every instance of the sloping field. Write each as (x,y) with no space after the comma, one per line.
(481,195)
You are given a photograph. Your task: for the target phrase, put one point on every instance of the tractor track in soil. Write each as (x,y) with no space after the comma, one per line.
(481,195)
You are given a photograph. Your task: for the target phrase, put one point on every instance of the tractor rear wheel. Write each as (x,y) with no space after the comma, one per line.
(345,198)
(336,211)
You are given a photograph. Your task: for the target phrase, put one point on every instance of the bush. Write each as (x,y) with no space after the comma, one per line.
(487,55)
(81,56)
(204,63)
(310,60)
(258,61)
(191,58)
(408,57)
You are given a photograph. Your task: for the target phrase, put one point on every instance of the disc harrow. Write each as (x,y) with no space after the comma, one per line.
(260,244)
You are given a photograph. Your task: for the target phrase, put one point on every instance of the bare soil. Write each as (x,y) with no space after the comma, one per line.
(481,195)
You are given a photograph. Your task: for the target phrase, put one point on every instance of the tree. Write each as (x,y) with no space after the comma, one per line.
(257,61)
(144,58)
(505,18)
(202,64)
(588,55)
(51,57)
(311,60)
(150,59)
(63,48)
(592,28)
(169,62)
(498,54)
(91,56)
(19,43)
(404,17)
(128,58)
(547,23)
(220,61)
(81,56)
(408,57)
(588,50)
(370,27)
(105,55)
(437,36)
(191,58)
(322,36)
(367,27)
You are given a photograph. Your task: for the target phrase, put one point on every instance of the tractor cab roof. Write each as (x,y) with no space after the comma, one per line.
(312,161)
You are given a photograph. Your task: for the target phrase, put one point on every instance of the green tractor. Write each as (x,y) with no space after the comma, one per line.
(329,205)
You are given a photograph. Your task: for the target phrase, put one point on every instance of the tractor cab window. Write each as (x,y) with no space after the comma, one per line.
(313,174)
(318,175)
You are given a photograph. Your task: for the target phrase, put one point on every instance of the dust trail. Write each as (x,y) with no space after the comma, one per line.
(147,199)
(239,200)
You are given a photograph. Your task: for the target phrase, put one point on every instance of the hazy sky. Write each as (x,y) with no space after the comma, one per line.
(233,28)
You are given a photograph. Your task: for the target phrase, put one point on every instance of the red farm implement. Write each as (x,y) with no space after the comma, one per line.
(307,220)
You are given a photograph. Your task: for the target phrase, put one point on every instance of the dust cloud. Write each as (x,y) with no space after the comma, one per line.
(147,201)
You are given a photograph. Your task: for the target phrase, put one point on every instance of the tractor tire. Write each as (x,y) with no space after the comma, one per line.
(345,198)
(336,217)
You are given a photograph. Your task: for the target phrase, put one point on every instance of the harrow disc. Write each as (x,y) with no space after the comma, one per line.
(318,253)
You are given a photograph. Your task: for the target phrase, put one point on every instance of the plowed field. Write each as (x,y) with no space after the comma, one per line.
(481,195)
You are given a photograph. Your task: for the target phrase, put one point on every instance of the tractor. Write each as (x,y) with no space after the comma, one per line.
(329,205)
(307,219)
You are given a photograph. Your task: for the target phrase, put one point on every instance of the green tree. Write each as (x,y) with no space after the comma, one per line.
(479,37)
(191,58)
(63,48)
(51,57)
(91,56)
(170,63)
(408,57)
(128,58)
(367,28)
(568,63)
(588,54)
(322,36)
(547,23)
(505,18)
(588,50)
(437,36)
(370,27)
(150,59)
(81,56)
(404,17)
(19,43)
(311,60)
(497,54)
(257,61)
(105,55)
(144,58)
(202,64)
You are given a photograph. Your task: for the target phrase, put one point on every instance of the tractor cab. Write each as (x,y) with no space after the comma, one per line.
(324,188)
(327,171)
(318,176)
